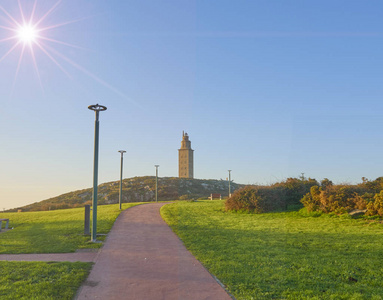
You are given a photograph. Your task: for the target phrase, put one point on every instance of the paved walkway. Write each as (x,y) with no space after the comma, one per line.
(143,259)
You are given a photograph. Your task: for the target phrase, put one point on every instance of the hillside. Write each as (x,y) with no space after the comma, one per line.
(137,189)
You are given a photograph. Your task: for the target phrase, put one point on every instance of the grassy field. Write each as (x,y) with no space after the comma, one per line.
(56,231)
(283,255)
(49,232)
(41,280)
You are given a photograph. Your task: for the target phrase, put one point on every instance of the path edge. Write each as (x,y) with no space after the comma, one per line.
(207,270)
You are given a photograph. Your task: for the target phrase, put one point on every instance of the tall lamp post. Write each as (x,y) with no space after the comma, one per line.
(122,154)
(96,108)
(156,182)
(229,183)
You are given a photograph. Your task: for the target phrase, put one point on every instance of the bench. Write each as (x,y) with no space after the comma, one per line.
(215,196)
(6,224)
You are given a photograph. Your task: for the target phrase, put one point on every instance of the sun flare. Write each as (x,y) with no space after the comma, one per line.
(27,34)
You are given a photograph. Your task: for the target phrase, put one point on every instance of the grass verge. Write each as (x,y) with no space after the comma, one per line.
(282,255)
(57,231)
(41,280)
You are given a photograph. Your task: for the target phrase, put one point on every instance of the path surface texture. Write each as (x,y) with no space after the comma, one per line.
(143,259)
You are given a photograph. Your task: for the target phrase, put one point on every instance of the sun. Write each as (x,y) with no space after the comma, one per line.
(27,34)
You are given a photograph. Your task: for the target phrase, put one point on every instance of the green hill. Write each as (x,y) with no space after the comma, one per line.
(137,189)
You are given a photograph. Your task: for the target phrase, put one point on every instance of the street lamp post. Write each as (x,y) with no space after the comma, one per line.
(156,182)
(96,108)
(122,154)
(229,183)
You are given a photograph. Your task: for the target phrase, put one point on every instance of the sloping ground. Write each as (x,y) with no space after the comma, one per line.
(137,189)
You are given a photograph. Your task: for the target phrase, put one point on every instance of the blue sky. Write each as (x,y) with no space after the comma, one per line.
(269,89)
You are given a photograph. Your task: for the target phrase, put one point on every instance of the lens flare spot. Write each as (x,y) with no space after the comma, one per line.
(27,34)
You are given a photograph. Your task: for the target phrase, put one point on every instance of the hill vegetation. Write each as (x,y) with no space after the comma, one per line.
(136,189)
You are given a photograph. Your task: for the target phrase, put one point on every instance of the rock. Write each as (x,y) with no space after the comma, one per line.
(357,212)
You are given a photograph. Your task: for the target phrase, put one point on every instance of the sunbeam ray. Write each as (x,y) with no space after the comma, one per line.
(21,12)
(9,16)
(10,50)
(90,74)
(47,13)
(54,60)
(33,13)
(8,28)
(65,23)
(8,39)
(18,68)
(37,69)
(60,42)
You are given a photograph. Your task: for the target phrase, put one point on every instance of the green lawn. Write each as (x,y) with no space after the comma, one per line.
(54,231)
(49,232)
(283,255)
(41,280)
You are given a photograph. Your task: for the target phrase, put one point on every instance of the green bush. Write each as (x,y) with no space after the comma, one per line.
(295,188)
(256,199)
(268,198)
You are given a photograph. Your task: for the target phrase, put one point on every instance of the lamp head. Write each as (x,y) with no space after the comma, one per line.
(97,107)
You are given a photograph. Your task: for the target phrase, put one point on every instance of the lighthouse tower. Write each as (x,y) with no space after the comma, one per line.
(185,158)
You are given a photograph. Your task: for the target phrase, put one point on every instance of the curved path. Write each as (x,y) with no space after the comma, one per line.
(143,259)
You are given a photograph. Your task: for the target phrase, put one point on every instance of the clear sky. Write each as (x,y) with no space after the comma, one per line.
(269,89)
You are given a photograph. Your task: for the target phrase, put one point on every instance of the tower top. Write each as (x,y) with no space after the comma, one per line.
(185,136)
(185,143)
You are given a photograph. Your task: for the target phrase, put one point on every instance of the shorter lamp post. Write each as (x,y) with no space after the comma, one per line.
(96,108)
(122,154)
(229,183)
(156,182)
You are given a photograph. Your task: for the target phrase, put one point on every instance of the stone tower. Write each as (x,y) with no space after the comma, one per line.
(185,158)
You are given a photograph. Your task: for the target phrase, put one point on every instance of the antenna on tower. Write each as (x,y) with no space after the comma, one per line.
(183,133)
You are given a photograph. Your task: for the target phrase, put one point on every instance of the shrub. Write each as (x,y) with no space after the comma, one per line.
(325,183)
(312,200)
(340,199)
(295,188)
(376,207)
(374,186)
(256,199)
(361,202)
